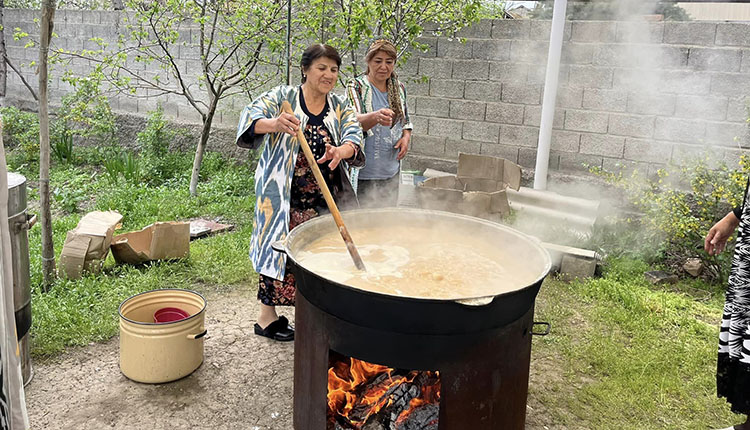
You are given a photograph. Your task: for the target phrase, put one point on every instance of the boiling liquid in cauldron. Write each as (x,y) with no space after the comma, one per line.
(420,262)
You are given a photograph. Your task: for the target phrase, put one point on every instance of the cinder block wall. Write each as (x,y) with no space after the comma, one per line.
(631,94)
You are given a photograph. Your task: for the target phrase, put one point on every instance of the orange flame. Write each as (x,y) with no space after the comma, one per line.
(347,389)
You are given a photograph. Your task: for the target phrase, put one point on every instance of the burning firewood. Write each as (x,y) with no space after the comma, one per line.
(382,401)
(423,417)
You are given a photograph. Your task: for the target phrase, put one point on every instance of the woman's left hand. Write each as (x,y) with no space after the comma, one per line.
(403,147)
(335,154)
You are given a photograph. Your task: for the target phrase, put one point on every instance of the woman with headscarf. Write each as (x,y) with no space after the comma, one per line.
(286,191)
(379,99)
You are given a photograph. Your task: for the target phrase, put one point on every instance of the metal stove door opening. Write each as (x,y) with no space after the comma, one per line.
(367,396)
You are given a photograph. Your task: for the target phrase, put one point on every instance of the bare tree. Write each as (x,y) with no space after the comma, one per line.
(237,46)
(48,252)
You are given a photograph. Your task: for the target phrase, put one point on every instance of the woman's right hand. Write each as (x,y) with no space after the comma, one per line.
(383,116)
(716,239)
(286,123)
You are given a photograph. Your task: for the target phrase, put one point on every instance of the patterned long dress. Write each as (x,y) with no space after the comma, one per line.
(306,202)
(733,367)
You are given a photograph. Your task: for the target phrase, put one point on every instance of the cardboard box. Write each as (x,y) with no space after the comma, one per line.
(158,241)
(87,245)
(477,190)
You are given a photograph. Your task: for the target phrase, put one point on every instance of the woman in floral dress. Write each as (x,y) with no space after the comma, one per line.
(285,188)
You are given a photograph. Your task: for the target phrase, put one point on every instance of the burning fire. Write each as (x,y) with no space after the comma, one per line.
(358,390)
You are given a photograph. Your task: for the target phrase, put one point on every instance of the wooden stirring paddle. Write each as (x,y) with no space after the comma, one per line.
(286,107)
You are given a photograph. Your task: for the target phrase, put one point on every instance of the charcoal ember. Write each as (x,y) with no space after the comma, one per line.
(360,412)
(423,417)
(364,412)
(402,398)
(374,424)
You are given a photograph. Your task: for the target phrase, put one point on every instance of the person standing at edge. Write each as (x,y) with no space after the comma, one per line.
(379,99)
(733,365)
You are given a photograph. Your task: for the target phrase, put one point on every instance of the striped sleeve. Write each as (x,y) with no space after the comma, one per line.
(355,98)
(267,105)
(407,119)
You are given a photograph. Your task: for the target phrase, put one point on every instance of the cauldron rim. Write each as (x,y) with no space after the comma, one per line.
(328,218)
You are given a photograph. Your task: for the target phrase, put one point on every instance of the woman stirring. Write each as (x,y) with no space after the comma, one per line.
(285,188)
(380,101)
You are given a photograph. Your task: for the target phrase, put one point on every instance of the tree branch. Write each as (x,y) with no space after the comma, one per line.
(188,95)
(28,87)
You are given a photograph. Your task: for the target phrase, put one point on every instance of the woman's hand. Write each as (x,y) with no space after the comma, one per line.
(286,123)
(716,239)
(403,145)
(336,154)
(383,116)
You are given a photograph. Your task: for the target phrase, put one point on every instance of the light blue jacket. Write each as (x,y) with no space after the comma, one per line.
(360,96)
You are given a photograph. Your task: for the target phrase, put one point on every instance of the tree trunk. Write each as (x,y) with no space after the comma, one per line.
(117,5)
(48,252)
(207,120)
(3,52)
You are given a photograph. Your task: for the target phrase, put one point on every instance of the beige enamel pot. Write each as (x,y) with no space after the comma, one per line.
(155,353)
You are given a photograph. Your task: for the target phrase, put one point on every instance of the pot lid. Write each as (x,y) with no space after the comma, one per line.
(15,179)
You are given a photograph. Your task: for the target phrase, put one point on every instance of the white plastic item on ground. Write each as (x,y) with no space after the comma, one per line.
(432,173)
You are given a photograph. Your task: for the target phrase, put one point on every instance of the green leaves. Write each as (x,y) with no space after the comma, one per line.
(681,203)
(350,25)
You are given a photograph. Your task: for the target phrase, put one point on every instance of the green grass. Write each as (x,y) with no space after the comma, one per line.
(632,355)
(83,311)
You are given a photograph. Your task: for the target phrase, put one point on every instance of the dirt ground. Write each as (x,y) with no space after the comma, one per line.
(245,382)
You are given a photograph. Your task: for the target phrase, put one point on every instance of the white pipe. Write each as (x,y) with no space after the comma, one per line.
(550,94)
(289,43)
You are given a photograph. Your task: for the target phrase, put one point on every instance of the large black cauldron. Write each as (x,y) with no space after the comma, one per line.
(422,324)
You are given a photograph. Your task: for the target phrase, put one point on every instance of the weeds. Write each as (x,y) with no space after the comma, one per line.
(681,204)
(62,147)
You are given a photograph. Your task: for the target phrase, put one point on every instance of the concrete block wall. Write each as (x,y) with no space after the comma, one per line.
(631,94)
(74,30)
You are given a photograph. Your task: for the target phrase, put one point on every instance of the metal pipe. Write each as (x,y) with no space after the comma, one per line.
(289,42)
(550,94)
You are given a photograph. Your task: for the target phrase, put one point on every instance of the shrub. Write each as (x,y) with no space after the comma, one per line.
(681,203)
(87,112)
(155,138)
(158,164)
(21,131)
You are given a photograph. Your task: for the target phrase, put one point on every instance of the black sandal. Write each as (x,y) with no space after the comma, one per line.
(279,330)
